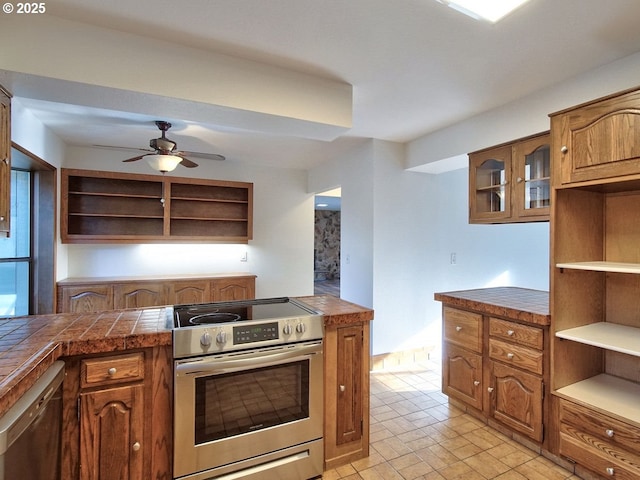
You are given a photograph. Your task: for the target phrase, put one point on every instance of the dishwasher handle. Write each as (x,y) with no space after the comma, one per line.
(29,407)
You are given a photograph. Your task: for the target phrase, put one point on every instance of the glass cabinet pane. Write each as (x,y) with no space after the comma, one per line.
(536,172)
(490,186)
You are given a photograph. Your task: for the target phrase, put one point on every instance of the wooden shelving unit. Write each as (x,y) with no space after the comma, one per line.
(106,207)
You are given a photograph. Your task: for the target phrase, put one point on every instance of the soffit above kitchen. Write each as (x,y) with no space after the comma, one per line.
(403,69)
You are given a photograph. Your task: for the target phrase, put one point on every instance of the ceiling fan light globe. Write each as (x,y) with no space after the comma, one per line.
(163,163)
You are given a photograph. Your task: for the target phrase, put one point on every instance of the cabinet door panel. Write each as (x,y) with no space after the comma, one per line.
(189,292)
(110,434)
(88,299)
(5,163)
(229,289)
(138,296)
(462,375)
(349,419)
(599,140)
(516,399)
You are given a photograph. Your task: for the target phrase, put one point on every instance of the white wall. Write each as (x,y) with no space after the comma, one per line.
(416,221)
(280,254)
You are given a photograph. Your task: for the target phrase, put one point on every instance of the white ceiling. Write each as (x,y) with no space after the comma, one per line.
(416,66)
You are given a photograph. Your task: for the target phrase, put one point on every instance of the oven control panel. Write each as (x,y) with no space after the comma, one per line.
(255,333)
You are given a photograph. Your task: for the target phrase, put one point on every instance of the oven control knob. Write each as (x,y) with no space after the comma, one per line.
(301,328)
(205,339)
(221,338)
(287,330)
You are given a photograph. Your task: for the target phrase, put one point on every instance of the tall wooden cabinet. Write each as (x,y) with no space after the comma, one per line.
(346,426)
(83,295)
(510,182)
(595,284)
(5,162)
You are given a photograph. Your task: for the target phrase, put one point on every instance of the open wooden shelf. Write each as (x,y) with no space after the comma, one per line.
(610,336)
(609,394)
(601,266)
(109,207)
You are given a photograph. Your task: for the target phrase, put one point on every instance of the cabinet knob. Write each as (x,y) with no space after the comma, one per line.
(136,446)
(510,333)
(610,433)
(610,471)
(564,149)
(510,356)
(112,371)
(458,328)
(342,388)
(1,219)
(476,382)
(6,161)
(519,179)
(490,389)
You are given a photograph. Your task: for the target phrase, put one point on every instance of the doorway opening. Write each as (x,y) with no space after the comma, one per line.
(326,258)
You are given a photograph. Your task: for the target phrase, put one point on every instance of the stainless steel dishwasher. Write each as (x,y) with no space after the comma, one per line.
(30,431)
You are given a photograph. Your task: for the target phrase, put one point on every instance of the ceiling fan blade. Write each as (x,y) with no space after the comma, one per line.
(188,163)
(135,159)
(133,149)
(207,156)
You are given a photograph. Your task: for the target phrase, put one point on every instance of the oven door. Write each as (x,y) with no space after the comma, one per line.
(233,407)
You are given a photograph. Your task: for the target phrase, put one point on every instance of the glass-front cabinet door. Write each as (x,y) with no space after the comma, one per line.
(489,189)
(510,182)
(532,162)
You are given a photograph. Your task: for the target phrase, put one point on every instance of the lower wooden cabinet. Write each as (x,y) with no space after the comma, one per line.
(497,367)
(95,295)
(117,416)
(346,393)
(600,443)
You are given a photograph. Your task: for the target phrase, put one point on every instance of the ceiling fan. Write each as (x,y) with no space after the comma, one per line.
(164,157)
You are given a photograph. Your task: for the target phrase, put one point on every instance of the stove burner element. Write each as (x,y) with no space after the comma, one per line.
(207,318)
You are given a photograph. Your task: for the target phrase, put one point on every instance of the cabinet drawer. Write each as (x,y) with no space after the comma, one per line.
(600,426)
(112,369)
(463,328)
(522,357)
(598,456)
(517,333)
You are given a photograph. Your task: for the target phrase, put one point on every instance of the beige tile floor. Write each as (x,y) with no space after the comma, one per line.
(416,434)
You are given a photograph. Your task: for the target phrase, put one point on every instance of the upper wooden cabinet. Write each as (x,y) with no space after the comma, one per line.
(510,182)
(599,139)
(5,162)
(108,207)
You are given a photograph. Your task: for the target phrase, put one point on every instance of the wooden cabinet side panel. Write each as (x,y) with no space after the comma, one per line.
(159,414)
(111,423)
(5,163)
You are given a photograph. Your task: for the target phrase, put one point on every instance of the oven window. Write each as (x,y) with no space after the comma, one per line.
(241,402)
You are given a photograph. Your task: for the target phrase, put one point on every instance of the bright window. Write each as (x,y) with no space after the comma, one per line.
(15,251)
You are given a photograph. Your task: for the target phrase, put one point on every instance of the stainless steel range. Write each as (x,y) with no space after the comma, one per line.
(248,399)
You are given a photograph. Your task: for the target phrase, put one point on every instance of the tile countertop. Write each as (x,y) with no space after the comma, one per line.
(523,304)
(29,345)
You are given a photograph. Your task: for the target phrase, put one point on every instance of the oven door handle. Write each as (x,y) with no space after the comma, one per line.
(255,359)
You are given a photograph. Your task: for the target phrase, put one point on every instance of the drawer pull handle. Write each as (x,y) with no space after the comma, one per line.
(610,433)
(342,388)
(112,371)
(490,389)
(510,333)
(136,446)
(458,328)
(610,471)
(510,356)
(476,382)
